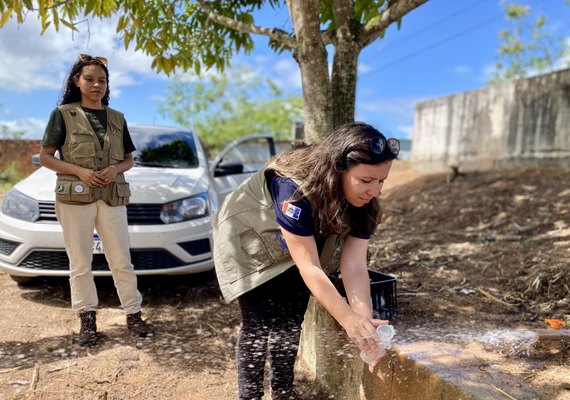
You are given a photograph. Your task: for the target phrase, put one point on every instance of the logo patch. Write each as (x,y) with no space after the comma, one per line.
(290,210)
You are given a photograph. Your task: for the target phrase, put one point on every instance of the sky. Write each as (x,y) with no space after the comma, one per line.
(442,48)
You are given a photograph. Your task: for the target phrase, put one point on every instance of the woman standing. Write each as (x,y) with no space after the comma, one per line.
(274,240)
(91,192)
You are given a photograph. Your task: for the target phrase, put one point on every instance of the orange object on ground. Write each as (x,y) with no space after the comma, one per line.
(555,323)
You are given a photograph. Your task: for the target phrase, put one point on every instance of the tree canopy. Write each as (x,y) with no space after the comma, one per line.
(202,34)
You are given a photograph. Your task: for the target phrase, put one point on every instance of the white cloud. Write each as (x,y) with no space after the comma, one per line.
(31,61)
(462,70)
(398,107)
(281,69)
(488,73)
(363,68)
(285,73)
(33,128)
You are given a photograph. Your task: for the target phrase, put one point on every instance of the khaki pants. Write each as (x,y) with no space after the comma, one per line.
(78,223)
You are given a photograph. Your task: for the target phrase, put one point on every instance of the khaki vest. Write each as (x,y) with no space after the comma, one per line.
(247,239)
(83,148)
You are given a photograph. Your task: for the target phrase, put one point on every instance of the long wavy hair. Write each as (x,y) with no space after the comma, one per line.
(320,167)
(71,93)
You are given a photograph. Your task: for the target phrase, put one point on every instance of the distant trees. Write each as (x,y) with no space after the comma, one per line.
(10,173)
(526,47)
(225,106)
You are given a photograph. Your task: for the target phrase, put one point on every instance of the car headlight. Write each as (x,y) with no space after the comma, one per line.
(18,205)
(185,209)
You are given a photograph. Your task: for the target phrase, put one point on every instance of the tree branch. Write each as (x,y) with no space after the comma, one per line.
(375,28)
(274,33)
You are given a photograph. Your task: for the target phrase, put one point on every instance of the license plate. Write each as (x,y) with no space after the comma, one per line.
(97,245)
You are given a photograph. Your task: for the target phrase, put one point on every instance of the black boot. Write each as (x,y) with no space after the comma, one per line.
(88,331)
(137,326)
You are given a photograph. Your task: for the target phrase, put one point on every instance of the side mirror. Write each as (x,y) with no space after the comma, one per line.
(228,169)
(36,160)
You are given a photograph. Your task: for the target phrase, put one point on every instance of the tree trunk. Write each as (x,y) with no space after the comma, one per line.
(345,63)
(311,55)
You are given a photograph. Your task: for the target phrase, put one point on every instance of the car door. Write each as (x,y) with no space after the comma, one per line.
(238,160)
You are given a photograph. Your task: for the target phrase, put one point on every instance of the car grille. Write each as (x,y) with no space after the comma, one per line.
(147,259)
(137,214)
(7,246)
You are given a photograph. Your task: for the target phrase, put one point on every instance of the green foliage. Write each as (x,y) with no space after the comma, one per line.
(526,47)
(224,107)
(10,175)
(7,133)
(180,34)
(175,33)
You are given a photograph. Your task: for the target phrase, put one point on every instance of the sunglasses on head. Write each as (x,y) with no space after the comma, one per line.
(378,144)
(87,58)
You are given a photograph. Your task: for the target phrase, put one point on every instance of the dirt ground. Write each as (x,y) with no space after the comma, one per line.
(486,250)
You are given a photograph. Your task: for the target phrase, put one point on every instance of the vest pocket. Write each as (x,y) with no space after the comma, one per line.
(117,154)
(120,194)
(255,248)
(73,191)
(82,149)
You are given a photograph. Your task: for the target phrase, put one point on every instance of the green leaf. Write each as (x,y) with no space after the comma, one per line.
(5,16)
(68,24)
(55,18)
(122,23)
(90,6)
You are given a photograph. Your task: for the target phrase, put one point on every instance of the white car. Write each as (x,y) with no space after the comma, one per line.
(175,190)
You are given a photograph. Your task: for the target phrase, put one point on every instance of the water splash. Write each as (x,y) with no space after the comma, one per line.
(510,342)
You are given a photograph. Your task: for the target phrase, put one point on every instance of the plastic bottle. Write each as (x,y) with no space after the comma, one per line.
(385,334)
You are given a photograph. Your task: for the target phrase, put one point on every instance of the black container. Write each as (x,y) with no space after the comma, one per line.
(382,291)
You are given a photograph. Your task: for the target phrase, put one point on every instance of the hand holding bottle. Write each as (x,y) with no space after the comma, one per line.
(384,333)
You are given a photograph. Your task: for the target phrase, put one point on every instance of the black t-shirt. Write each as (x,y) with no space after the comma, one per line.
(296,217)
(56,132)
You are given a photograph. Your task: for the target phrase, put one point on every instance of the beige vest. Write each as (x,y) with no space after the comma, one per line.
(82,147)
(247,240)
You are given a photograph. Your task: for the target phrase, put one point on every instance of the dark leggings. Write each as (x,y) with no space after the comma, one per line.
(272,315)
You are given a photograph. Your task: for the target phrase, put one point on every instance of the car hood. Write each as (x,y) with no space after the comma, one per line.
(148,185)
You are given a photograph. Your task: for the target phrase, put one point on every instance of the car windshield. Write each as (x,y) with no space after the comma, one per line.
(156,147)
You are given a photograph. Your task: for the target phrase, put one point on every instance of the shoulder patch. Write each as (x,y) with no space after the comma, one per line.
(290,210)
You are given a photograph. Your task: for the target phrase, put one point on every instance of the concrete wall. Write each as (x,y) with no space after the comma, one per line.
(514,123)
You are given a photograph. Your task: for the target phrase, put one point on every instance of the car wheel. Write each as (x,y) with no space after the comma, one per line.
(26,280)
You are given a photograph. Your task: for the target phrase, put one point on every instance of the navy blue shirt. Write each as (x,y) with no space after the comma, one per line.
(297,217)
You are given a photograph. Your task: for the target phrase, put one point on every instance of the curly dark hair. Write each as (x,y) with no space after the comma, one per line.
(320,167)
(71,93)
